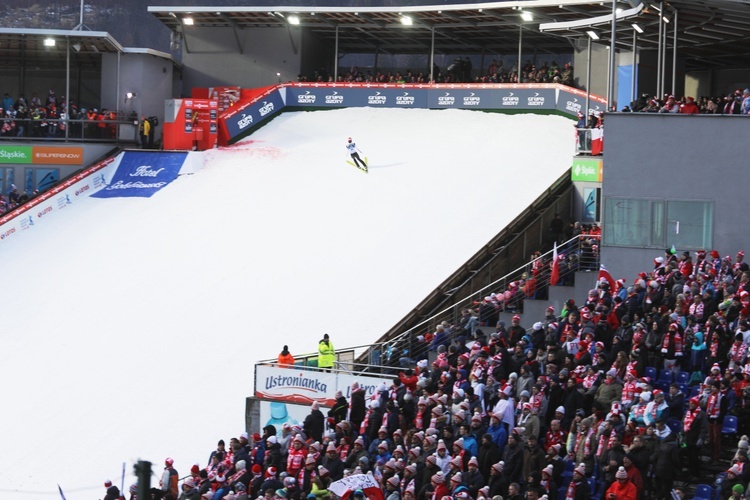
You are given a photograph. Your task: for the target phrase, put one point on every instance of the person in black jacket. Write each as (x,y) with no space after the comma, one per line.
(315,422)
(665,460)
(695,433)
(274,457)
(358,408)
(338,412)
(333,463)
(513,458)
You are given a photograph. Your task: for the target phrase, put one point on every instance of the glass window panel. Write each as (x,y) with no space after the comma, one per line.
(627,222)
(657,223)
(690,224)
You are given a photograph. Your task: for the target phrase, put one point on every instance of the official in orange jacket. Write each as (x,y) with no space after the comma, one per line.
(286,358)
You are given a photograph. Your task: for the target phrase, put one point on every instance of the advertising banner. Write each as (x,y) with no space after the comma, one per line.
(64,194)
(15,154)
(142,174)
(278,413)
(302,386)
(41,155)
(319,97)
(461,98)
(574,101)
(45,155)
(246,116)
(586,170)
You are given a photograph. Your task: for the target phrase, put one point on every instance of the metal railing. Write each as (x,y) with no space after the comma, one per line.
(579,253)
(61,130)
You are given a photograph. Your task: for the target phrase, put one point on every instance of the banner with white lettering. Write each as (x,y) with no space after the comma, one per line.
(303,386)
(141,174)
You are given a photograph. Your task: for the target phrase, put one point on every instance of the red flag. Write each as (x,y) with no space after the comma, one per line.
(555,275)
(597,141)
(604,275)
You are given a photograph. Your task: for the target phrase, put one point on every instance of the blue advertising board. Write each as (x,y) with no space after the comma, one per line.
(253,114)
(319,97)
(141,174)
(572,103)
(461,98)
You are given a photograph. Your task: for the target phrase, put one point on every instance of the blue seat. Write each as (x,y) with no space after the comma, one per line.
(567,474)
(592,485)
(666,377)
(682,378)
(703,492)
(685,389)
(561,492)
(730,425)
(651,373)
(695,390)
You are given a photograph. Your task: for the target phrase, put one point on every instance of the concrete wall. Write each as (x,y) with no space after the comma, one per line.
(677,157)
(599,66)
(261,53)
(150,77)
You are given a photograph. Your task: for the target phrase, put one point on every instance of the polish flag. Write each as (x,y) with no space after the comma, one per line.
(555,275)
(597,141)
(604,275)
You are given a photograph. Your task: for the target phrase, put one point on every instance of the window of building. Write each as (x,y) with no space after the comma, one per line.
(658,223)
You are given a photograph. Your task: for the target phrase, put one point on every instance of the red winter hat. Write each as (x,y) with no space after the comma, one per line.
(714,254)
(195,469)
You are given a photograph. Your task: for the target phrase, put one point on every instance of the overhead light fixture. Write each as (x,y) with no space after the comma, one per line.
(619,10)
(666,19)
(188,21)
(527,16)
(130,95)
(479,10)
(76,47)
(293,20)
(593,35)
(49,42)
(637,28)
(407,21)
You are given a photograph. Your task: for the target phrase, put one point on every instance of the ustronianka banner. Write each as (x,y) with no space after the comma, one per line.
(296,385)
(142,174)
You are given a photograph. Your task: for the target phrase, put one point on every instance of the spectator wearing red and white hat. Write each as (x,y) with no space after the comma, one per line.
(516,331)
(113,492)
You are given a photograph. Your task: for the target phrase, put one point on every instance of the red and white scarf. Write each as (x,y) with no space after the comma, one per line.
(589,380)
(713,407)
(687,422)
(586,441)
(570,494)
(628,392)
(419,420)
(738,352)
(676,342)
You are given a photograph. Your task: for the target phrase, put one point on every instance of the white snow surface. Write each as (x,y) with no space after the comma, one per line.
(131,325)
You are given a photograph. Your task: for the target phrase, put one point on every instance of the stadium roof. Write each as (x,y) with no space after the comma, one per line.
(711,33)
(22,47)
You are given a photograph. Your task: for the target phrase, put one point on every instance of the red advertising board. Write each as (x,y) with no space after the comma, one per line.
(195,127)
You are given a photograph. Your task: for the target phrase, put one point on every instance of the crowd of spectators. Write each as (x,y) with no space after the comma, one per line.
(736,102)
(49,118)
(459,71)
(623,394)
